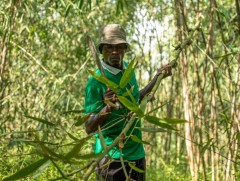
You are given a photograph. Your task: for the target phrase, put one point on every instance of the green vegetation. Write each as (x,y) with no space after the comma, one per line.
(45,63)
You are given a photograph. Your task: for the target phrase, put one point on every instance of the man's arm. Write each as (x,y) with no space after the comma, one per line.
(95,120)
(99,119)
(149,87)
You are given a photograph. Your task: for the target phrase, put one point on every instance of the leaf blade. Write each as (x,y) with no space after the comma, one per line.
(113,86)
(131,106)
(127,75)
(40,120)
(152,130)
(135,168)
(138,140)
(156,121)
(26,170)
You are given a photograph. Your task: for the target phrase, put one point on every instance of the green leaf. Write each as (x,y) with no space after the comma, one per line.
(206,146)
(63,3)
(152,130)
(225,118)
(47,151)
(113,86)
(89,4)
(138,140)
(131,97)
(40,120)
(41,169)
(143,103)
(82,120)
(80,4)
(73,111)
(67,10)
(125,94)
(89,156)
(102,138)
(127,75)
(119,6)
(173,120)
(76,149)
(71,136)
(135,168)
(59,170)
(27,170)
(155,109)
(156,121)
(131,106)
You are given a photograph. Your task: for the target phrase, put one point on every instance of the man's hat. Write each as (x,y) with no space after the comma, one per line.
(112,34)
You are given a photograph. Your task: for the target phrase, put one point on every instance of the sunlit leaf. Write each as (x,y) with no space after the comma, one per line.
(157,121)
(63,3)
(101,137)
(131,97)
(143,103)
(127,75)
(135,168)
(126,93)
(113,86)
(27,170)
(173,120)
(131,106)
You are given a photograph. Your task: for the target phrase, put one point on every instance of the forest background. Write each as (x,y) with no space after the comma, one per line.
(44,68)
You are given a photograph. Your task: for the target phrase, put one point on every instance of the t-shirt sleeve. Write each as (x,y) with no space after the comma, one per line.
(93,99)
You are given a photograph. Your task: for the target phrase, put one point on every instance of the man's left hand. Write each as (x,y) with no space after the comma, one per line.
(166,70)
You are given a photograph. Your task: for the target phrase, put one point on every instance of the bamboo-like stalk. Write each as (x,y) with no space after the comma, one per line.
(238,13)
(188,112)
(9,22)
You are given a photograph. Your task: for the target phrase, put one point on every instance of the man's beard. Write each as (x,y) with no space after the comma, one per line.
(115,61)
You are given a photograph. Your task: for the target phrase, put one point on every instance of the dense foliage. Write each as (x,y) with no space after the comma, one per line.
(43,72)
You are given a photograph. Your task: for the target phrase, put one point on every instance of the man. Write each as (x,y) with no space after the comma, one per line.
(99,101)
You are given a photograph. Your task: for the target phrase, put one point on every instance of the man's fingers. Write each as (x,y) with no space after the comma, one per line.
(110,104)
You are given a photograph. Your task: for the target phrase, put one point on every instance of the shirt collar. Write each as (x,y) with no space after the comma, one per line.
(111,69)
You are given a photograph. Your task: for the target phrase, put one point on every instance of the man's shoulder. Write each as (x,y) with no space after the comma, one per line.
(93,81)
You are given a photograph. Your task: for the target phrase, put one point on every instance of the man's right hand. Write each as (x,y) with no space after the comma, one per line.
(110,98)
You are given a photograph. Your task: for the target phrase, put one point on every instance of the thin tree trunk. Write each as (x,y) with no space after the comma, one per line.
(235,126)
(4,47)
(192,150)
(238,13)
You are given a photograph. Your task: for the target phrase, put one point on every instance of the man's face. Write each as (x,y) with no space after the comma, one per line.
(113,54)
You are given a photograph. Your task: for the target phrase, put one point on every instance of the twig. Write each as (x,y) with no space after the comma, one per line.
(124,168)
(74,172)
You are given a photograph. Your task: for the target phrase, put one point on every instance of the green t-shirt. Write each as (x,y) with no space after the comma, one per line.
(117,119)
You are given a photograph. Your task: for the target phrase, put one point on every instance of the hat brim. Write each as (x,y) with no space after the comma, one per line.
(100,45)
